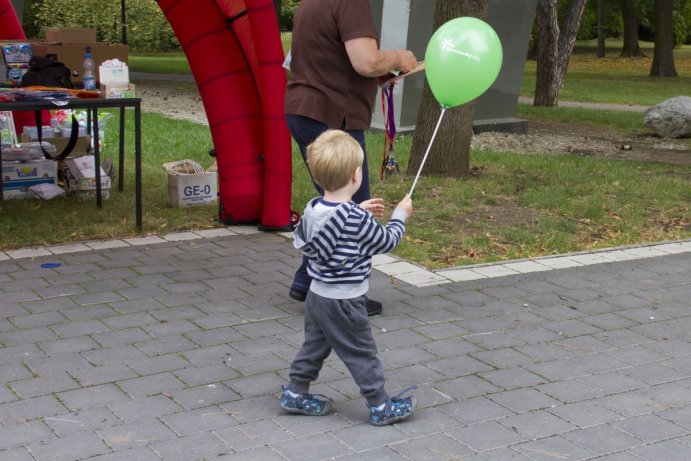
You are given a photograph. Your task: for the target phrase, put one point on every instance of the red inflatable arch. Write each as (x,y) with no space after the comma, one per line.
(235,53)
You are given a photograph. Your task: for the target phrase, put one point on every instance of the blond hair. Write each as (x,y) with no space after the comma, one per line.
(333,158)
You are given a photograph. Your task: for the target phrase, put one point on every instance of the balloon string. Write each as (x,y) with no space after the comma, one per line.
(429,147)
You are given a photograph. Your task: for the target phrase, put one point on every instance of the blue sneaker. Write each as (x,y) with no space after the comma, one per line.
(395,409)
(305,404)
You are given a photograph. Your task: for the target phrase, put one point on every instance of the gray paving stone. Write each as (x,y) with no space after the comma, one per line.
(537,424)
(603,439)
(92,396)
(32,408)
(102,374)
(629,404)
(523,400)
(209,355)
(85,420)
(549,448)
(254,454)
(654,373)
(44,385)
(161,383)
(15,434)
(145,407)
(203,396)
(504,357)
(651,428)
(16,353)
(475,410)
(129,435)
(68,346)
(153,365)
(570,391)
(26,336)
(134,454)
(80,328)
(17,454)
(199,420)
(197,446)
(69,448)
(250,435)
(614,383)
(122,337)
(465,387)
(89,313)
(512,378)
(322,446)
(432,447)
(167,344)
(38,320)
(486,436)
(637,355)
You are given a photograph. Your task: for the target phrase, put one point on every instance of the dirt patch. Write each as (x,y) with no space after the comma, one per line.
(549,137)
(181,100)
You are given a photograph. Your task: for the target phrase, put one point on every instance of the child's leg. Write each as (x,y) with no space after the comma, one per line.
(309,360)
(344,324)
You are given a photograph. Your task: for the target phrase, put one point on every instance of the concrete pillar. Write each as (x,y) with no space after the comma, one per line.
(19,9)
(408,24)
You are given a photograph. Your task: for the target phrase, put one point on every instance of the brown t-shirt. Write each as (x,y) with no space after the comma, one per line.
(324,86)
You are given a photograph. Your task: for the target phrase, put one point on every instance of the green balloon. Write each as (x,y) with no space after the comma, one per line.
(462,60)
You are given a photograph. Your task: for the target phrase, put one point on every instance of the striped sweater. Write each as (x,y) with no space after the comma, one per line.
(339,239)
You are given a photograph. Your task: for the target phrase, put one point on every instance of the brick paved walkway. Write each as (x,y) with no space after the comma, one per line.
(176,350)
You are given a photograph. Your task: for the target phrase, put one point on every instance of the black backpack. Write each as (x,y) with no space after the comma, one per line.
(47,71)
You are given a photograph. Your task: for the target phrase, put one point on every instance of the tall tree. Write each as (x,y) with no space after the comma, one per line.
(601,35)
(663,58)
(552,63)
(631,48)
(450,154)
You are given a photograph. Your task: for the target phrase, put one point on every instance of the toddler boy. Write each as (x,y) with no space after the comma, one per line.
(340,237)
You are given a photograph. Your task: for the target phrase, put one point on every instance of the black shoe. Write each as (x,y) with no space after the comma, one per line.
(373,308)
(297,295)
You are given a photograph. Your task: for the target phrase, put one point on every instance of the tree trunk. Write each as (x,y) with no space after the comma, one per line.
(450,153)
(663,59)
(547,48)
(552,63)
(601,28)
(631,48)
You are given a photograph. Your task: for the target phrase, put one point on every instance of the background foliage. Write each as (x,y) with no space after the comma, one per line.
(148,29)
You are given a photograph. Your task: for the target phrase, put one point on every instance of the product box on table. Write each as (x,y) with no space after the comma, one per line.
(117,90)
(81,148)
(17,177)
(69,34)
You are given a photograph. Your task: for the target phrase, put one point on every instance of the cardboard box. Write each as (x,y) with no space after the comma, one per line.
(72,54)
(17,177)
(83,167)
(88,195)
(81,148)
(117,90)
(69,34)
(187,190)
(72,184)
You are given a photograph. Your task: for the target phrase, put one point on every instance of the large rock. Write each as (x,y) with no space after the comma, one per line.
(670,118)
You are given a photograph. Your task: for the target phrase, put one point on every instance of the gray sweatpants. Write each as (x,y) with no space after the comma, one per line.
(341,325)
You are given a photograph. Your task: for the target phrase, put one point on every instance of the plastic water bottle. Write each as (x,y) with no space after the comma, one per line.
(88,76)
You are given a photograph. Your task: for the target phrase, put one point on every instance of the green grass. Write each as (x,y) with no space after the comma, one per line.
(517,206)
(617,80)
